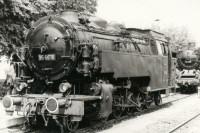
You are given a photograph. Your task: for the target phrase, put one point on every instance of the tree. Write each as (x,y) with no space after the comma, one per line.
(79,5)
(179,36)
(16,15)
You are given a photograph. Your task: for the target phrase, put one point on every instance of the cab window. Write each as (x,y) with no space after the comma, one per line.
(154,49)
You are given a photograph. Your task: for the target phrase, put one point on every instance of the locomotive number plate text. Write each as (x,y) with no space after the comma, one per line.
(48,57)
(188,61)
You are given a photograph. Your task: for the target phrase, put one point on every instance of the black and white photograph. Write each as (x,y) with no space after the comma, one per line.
(99,66)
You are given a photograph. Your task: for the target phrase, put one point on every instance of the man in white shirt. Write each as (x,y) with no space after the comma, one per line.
(10,77)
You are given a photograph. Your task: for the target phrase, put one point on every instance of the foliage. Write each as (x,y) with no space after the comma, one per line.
(80,5)
(179,36)
(17,15)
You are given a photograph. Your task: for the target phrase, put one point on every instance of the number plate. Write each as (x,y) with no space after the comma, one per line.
(188,61)
(48,57)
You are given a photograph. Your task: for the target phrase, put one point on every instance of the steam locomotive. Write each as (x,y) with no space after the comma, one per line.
(188,74)
(77,66)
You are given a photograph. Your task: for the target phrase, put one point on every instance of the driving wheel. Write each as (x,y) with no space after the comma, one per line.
(140,102)
(117,109)
(158,99)
(70,125)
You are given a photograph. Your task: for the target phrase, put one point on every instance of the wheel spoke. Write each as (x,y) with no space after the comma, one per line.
(138,101)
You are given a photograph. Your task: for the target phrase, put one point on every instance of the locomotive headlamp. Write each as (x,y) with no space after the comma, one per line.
(21,86)
(64,87)
(53,104)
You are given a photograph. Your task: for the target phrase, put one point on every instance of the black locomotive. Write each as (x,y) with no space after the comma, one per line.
(188,71)
(77,66)
(187,59)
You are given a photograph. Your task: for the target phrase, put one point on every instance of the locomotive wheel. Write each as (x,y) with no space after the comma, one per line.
(31,120)
(131,99)
(139,101)
(117,110)
(130,111)
(70,125)
(104,120)
(157,99)
(147,105)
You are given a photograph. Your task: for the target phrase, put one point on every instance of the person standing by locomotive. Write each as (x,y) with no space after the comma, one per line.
(10,78)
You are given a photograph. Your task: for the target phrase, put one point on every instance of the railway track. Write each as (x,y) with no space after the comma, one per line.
(96,126)
(102,126)
(183,123)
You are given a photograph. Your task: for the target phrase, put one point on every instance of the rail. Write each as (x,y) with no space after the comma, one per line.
(183,123)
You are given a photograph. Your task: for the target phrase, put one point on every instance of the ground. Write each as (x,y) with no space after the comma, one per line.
(158,121)
(163,120)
